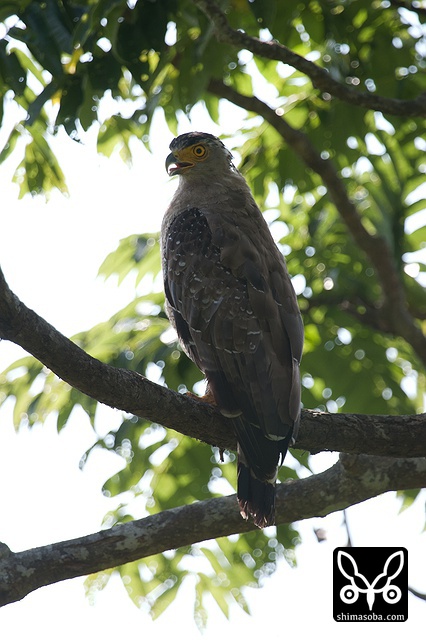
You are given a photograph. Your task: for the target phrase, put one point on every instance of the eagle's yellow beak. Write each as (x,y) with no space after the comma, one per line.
(174,166)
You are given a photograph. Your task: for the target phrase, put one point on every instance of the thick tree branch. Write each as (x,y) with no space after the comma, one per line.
(352,480)
(320,77)
(374,246)
(131,392)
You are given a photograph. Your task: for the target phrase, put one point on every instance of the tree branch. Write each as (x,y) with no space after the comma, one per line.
(352,480)
(370,316)
(418,594)
(374,246)
(131,392)
(321,79)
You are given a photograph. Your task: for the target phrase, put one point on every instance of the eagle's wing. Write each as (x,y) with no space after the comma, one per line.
(236,314)
(235,311)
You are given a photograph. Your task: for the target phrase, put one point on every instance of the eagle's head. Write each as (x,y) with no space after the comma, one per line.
(197,153)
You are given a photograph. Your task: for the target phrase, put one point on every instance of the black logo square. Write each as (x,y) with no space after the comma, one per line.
(370,584)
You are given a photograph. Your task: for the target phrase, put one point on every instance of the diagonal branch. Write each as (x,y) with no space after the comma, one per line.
(418,594)
(321,79)
(133,393)
(350,481)
(371,316)
(374,246)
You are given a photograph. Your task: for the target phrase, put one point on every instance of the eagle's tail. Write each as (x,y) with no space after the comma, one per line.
(258,460)
(255,497)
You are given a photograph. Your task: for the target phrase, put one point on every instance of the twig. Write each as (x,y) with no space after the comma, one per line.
(418,594)
(346,525)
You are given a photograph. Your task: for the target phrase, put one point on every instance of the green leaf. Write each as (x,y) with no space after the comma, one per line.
(217,592)
(164,600)
(9,145)
(11,70)
(408,497)
(135,253)
(41,20)
(39,172)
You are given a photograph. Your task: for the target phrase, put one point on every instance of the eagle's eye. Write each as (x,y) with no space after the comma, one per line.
(199,151)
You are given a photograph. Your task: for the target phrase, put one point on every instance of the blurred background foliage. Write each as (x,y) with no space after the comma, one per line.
(60,59)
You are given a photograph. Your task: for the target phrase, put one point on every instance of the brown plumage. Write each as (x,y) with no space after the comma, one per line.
(230,299)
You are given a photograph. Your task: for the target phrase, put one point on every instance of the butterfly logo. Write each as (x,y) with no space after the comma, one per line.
(358,583)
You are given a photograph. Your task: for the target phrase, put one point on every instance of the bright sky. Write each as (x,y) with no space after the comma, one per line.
(50,254)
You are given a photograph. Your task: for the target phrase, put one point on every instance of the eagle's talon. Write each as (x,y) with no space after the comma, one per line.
(207,397)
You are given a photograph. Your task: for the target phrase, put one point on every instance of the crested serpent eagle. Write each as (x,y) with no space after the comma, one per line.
(231,301)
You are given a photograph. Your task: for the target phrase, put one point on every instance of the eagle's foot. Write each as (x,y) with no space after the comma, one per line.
(207,397)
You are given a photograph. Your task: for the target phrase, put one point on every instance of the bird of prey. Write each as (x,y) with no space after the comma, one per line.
(231,301)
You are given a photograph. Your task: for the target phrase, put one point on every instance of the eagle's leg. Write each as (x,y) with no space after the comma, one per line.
(207,397)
